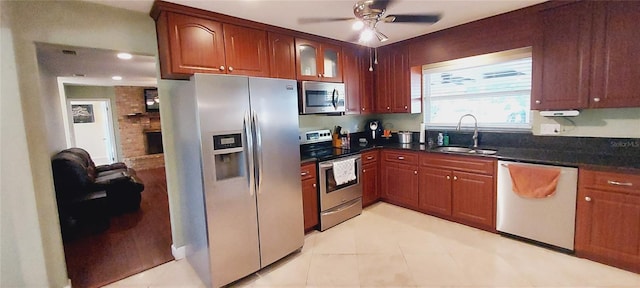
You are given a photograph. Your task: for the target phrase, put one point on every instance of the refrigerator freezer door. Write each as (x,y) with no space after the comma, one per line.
(274,102)
(231,212)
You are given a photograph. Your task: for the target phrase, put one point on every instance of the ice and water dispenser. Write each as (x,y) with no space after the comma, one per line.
(228,156)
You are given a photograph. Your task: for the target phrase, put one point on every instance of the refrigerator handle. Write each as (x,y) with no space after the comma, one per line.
(246,125)
(258,151)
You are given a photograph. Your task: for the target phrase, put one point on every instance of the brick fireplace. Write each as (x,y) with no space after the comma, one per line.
(140,131)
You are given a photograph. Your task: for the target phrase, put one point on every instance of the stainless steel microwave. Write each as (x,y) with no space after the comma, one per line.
(321,97)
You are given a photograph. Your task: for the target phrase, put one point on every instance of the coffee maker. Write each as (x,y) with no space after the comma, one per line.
(374,129)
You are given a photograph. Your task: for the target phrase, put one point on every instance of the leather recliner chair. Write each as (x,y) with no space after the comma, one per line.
(84,191)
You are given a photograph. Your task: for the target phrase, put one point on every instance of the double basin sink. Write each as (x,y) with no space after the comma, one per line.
(463,150)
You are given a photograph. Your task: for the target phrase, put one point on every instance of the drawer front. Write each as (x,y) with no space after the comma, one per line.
(370,157)
(402,157)
(460,163)
(611,181)
(308,171)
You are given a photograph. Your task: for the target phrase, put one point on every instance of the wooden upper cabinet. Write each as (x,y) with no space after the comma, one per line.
(352,80)
(562,58)
(246,51)
(585,58)
(366,84)
(189,44)
(195,45)
(616,50)
(318,61)
(393,83)
(282,56)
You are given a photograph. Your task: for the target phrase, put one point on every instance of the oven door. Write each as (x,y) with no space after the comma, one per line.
(332,195)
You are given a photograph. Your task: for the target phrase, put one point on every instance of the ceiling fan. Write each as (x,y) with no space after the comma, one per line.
(370,13)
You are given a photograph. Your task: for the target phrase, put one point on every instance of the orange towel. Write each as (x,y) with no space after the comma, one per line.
(532,181)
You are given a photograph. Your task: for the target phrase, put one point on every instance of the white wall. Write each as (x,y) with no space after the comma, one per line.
(32,253)
(105,92)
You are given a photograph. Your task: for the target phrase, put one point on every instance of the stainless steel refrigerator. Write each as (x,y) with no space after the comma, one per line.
(236,140)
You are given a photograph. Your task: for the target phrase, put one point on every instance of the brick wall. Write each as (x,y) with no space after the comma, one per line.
(134,121)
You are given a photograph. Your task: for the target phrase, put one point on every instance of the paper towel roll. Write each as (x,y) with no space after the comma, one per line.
(423,127)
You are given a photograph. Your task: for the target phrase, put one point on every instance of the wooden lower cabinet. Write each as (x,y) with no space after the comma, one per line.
(458,188)
(400,177)
(309,196)
(608,218)
(435,191)
(370,178)
(472,197)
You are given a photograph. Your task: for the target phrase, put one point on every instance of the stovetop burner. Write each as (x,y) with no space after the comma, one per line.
(323,151)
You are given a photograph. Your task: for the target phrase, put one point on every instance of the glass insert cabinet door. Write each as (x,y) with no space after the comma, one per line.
(330,63)
(308,60)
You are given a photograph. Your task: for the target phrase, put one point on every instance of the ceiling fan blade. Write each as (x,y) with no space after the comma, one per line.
(380,4)
(312,20)
(412,18)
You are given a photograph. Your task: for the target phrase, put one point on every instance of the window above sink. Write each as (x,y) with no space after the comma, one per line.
(495,87)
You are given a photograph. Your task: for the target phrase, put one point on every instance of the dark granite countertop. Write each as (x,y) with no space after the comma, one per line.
(529,155)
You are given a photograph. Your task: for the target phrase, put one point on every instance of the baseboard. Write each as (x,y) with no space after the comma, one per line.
(177,252)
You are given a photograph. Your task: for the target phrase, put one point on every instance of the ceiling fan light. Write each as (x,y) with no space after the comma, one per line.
(381,36)
(357,25)
(366,35)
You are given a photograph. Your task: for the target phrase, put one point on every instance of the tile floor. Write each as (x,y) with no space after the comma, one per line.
(389,246)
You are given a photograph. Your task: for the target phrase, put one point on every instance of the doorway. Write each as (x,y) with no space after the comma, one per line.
(92,128)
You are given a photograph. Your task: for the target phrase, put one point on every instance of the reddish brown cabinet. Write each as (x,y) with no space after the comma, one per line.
(318,61)
(246,51)
(282,55)
(309,196)
(394,90)
(370,177)
(608,218)
(190,44)
(584,58)
(460,188)
(352,80)
(400,177)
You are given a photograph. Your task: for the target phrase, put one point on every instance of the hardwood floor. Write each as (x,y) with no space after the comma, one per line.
(129,244)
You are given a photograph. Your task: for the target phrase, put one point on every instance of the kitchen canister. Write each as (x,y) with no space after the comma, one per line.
(404,137)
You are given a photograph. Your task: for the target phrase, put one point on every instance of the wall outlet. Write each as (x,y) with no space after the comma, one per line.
(550,129)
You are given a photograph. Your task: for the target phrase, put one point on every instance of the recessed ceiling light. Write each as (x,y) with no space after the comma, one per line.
(125,56)
(117,78)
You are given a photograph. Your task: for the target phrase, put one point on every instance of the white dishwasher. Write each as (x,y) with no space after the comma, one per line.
(549,220)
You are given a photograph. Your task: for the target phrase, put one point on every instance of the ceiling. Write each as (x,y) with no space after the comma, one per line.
(99,65)
(96,66)
(285,13)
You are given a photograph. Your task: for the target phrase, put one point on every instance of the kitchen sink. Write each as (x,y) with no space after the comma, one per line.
(464,150)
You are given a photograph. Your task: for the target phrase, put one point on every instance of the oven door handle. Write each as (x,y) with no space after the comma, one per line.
(342,207)
(326,166)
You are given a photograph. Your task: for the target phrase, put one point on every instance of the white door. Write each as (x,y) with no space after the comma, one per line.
(91,123)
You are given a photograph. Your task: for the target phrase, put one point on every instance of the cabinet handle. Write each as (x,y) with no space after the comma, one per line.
(415,172)
(221,68)
(588,199)
(362,108)
(230,69)
(400,158)
(405,107)
(448,177)
(610,182)
(364,170)
(455,177)
(314,185)
(538,102)
(369,157)
(388,108)
(305,173)
(596,99)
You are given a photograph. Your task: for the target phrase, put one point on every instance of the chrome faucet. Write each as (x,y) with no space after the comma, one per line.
(475,130)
